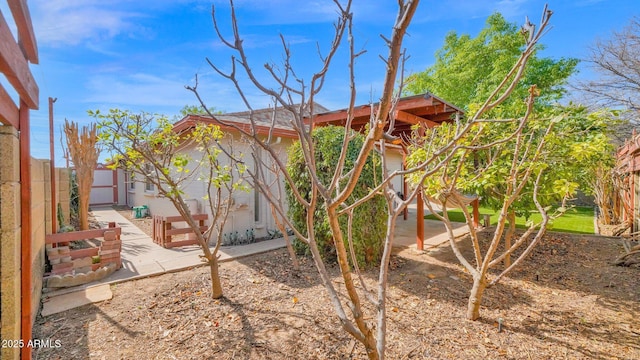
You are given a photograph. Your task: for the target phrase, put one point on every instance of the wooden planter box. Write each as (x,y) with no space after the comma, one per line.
(109,250)
(163,231)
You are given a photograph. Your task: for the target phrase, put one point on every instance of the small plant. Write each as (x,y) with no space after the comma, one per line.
(74,204)
(234,238)
(95,259)
(66,228)
(60,216)
(274,234)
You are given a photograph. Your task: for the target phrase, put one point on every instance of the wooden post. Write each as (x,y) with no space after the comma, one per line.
(476,213)
(420,203)
(25,219)
(52,169)
(115,186)
(420,222)
(405,186)
(166,239)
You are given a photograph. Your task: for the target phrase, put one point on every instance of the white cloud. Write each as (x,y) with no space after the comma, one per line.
(63,23)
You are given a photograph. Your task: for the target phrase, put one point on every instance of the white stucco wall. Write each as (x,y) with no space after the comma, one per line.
(242,217)
(394,162)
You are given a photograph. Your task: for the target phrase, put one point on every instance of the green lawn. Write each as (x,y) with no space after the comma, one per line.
(577,220)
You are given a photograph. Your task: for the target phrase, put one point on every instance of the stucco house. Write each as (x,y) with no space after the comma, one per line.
(250,210)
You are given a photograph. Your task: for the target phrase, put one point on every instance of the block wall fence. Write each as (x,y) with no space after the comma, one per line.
(10,231)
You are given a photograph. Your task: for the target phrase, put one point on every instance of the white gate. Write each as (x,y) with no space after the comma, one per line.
(104,190)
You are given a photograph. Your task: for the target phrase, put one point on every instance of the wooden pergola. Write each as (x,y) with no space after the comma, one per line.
(425,110)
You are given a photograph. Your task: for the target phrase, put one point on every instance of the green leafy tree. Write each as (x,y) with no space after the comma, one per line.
(198,110)
(468,69)
(147,146)
(576,148)
(525,156)
(367,238)
(517,163)
(533,163)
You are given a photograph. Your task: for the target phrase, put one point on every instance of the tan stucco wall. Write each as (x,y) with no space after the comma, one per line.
(41,225)
(9,239)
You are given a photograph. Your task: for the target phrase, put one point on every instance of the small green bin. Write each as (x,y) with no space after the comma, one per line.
(140,211)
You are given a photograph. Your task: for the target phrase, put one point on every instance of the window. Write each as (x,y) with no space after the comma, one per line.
(148,185)
(132,183)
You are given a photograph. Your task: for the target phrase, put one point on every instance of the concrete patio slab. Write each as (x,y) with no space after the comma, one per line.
(141,257)
(57,304)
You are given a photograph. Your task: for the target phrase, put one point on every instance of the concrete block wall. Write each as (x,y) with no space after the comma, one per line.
(10,233)
(63,189)
(46,170)
(10,238)
(63,194)
(41,225)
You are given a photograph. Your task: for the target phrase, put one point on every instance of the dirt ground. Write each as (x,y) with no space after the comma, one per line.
(565,302)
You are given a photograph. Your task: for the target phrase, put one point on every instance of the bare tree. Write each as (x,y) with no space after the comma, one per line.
(82,145)
(296,96)
(617,62)
(158,154)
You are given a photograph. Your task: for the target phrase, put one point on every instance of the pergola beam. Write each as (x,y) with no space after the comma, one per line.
(8,110)
(358,112)
(27,37)
(420,101)
(16,68)
(414,119)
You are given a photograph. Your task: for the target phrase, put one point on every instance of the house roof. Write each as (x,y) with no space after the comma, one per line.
(281,119)
(427,109)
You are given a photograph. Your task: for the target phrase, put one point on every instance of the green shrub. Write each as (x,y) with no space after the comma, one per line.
(74,197)
(369,222)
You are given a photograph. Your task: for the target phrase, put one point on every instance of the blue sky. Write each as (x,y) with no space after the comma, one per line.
(138,55)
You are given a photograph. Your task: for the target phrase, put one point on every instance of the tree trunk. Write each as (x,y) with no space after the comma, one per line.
(283,230)
(355,304)
(373,354)
(83,210)
(475,298)
(508,236)
(216,285)
(82,148)
(292,252)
